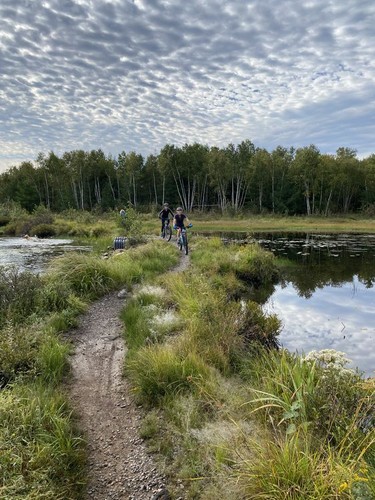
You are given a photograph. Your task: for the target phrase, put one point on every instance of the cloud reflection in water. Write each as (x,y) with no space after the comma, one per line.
(340,318)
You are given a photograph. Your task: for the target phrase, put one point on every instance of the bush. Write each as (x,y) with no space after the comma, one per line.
(291,468)
(19,295)
(4,220)
(43,230)
(256,266)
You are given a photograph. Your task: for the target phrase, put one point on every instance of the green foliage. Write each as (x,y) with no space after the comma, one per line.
(291,467)
(12,210)
(19,295)
(256,266)
(159,371)
(131,224)
(4,220)
(41,455)
(43,230)
(137,325)
(254,326)
(293,392)
(85,275)
(248,262)
(240,177)
(18,351)
(52,359)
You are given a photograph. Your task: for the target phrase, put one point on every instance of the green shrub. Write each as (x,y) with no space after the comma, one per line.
(19,294)
(255,265)
(291,468)
(254,326)
(4,220)
(52,359)
(43,230)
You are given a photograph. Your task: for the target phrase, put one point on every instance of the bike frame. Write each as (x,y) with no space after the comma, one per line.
(182,240)
(167,230)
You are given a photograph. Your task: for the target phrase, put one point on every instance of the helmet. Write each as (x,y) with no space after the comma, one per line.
(166,205)
(178,208)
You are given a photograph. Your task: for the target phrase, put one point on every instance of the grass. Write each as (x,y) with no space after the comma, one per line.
(236,417)
(248,223)
(42,455)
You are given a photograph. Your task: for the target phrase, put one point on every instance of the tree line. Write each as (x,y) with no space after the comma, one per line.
(198,177)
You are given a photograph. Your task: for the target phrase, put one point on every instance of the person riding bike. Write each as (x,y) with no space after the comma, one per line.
(164,214)
(179,221)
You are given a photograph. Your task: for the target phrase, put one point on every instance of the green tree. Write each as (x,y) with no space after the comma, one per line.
(305,168)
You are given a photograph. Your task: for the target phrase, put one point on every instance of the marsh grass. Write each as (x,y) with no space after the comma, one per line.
(19,294)
(18,350)
(41,456)
(160,371)
(288,467)
(245,420)
(250,263)
(52,360)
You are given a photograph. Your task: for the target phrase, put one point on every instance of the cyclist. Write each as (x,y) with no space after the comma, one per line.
(164,214)
(179,221)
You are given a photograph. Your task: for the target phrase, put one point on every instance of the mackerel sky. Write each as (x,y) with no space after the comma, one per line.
(134,75)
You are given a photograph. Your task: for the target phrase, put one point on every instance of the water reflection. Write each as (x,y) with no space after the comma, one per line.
(326,296)
(34,254)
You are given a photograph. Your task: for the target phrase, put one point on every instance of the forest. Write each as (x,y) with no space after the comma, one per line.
(231,180)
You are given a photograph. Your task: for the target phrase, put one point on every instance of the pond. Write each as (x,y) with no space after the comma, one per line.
(33,254)
(326,299)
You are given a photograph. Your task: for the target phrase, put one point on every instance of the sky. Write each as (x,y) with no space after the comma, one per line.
(135,75)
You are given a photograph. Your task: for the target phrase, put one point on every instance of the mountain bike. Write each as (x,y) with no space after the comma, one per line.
(182,240)
(167,230)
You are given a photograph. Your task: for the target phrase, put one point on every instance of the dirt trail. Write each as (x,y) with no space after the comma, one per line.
(118,464)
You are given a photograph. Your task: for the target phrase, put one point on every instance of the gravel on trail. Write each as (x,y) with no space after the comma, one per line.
(118,465)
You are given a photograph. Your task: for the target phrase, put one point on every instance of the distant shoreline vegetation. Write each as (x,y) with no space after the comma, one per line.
(231,180)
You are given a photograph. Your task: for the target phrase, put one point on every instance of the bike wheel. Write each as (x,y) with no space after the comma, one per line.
(168,233)
(185,243)
(180,243)
(163,234)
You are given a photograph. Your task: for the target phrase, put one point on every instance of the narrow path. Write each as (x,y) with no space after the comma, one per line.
(118,464)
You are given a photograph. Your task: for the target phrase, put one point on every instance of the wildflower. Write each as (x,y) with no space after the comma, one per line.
(343,486)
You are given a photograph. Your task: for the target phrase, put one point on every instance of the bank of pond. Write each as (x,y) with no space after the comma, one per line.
(324,295)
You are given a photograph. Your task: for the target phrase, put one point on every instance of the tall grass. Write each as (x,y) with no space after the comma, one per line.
(159,371)
(19,292)
(291,467)
(298,429)
(41,456)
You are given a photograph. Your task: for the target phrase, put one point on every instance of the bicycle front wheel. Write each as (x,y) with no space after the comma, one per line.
(185,243)
(168,233)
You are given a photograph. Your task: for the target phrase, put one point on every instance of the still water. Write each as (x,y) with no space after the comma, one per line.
(33,254)
(326,299)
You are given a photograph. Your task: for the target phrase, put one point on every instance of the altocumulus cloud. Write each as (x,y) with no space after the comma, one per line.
(138,74)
